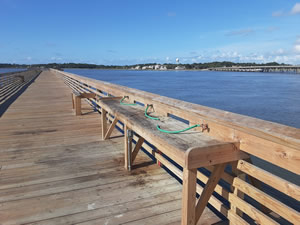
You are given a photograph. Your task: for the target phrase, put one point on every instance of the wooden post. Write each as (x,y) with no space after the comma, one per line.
(189,197)
(126,147)
(73,104)
(77,106)
(104,122)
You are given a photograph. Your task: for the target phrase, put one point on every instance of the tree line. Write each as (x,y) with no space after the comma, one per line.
(194,66)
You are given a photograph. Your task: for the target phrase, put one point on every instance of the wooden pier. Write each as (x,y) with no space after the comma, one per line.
(55,169)
(62,159)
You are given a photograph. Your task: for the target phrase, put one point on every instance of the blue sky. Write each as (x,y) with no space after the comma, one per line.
(139,31)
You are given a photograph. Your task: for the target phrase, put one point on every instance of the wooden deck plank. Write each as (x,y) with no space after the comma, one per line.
(55,169)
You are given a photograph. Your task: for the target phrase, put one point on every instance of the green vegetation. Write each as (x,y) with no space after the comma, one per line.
(194,66)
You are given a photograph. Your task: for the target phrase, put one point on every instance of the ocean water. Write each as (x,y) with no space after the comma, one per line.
(9,70)
(269,96)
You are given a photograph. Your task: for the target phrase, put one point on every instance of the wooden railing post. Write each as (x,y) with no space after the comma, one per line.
(127,149)
(77,106)
(73,103)
(104,122)
(189,197)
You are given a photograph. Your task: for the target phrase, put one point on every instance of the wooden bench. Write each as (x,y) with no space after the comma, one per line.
(191,150)
(76,100)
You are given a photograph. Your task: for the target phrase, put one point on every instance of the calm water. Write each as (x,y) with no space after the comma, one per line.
(9,70)
(269,96)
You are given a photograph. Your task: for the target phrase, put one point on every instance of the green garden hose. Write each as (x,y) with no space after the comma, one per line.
(176,131)
(122,103)
(150,117)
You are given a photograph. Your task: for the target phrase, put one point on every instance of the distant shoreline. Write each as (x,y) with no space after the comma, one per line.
(187,70)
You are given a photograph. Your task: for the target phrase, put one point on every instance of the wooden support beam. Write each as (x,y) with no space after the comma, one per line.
(197,157)
(77,106)
(137,148)
(73,104)
(103,122)
(274,181)
(209,189)
(110,98)
(128,137)
(189,197)
(111,128)
(88,95)
(236,191)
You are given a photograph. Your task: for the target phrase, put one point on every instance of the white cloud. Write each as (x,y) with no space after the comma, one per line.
(296,9)
(280,55)
(297,46)
(277,13)
(28,58)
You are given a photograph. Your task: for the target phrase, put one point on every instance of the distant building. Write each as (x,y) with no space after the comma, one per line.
(180,68)
(163,68)
(157,67)
(152,67)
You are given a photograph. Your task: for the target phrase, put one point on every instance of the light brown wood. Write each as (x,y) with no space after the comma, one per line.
(273,142)
(111,128)
(10,84)
(73,103)
(77,106)
(268,201)
(188,196)
(234,219)
(126,163)
(187,149)
(209,189)
(137,148)
(258,216)
(55,170)
(276,182)
(87,95)
(213,155)
(103,122)
(110,98)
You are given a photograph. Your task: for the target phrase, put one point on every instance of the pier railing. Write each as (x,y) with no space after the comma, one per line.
(263,189)
(11,83)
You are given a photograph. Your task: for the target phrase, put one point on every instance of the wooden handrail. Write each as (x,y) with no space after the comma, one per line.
(275,143)
(11,83)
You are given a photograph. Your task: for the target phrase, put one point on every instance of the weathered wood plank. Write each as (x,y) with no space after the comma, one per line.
(58,165)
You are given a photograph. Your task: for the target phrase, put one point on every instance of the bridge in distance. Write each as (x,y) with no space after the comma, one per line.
(281,69)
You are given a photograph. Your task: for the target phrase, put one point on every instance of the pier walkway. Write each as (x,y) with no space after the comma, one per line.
(55,169)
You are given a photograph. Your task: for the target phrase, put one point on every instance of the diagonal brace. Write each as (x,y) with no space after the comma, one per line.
(137,148)
(209,189)
(111,128)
